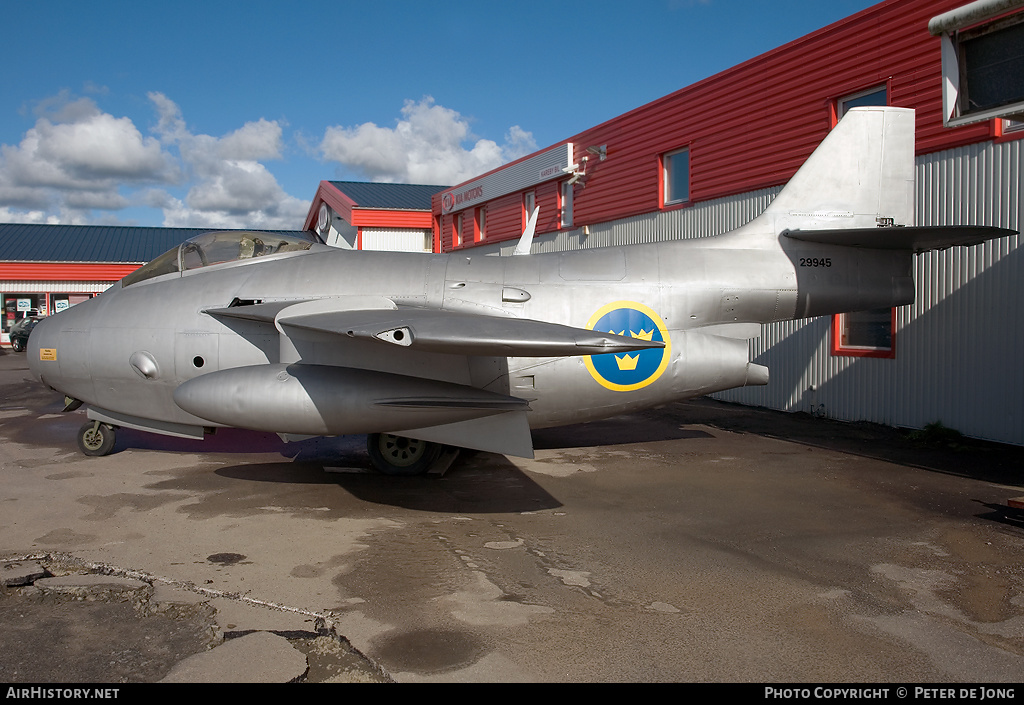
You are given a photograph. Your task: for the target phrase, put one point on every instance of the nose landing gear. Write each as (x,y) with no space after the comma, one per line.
(96,439)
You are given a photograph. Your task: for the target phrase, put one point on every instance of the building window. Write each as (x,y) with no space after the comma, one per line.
(675,175)
(1009,128)
(982,64)
(879,95)
(480,225)
(457,230)
(565,204)
(62,302)
(19,306)
(529,203)
(865,333)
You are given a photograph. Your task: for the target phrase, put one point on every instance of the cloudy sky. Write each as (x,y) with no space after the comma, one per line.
(229,114)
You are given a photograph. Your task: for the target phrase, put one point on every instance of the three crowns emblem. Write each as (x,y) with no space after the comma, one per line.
(642,335)
(628,362)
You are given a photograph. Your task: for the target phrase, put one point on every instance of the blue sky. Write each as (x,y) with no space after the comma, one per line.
(229,114)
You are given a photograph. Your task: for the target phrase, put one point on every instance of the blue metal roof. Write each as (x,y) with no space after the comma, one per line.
(388,196)
(94,243)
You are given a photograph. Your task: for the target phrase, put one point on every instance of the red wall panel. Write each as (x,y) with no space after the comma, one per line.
(377,218)
(753,125)
(64,271)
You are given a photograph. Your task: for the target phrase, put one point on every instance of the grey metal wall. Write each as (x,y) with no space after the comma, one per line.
(702,220)
(958,347)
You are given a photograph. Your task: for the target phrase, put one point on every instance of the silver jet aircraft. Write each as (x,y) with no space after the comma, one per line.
(420,352)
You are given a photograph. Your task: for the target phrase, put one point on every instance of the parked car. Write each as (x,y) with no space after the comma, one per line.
(20,331)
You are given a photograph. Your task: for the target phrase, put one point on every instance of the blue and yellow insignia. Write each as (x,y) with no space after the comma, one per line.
(625,372)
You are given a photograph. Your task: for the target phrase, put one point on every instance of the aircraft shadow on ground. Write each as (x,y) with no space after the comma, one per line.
(640,427)
(476,483)
(1002,514)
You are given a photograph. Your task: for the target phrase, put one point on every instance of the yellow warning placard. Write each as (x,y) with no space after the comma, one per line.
(47,353)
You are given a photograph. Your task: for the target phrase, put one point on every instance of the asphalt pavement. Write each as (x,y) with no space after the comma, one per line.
(702,542)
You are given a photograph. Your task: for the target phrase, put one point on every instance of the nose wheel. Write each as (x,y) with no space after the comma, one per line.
(95,438)
(398,455)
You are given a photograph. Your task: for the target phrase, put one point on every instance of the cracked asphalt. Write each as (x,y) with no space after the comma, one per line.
(700,542)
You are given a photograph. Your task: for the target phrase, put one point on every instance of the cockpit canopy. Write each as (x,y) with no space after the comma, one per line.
(217,248)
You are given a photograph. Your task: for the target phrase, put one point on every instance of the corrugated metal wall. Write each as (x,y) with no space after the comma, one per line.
(397,239)
(958,347)
(702,220)
(63,287)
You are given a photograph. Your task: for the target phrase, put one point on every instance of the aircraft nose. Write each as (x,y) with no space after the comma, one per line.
(56,345)
(41,351)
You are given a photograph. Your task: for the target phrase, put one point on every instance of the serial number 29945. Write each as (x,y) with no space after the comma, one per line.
(815,261)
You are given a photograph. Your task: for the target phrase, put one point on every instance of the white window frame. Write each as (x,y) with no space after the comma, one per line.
(666,177)
(1012,127)
(480,221)
(529,203)
(956,28)
(457,230)
(849,101)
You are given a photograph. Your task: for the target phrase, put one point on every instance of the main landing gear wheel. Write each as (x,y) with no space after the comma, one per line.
(95,438)
(398,455)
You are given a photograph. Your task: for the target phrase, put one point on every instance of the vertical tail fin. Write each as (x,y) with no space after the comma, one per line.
(526,239)
(860,174)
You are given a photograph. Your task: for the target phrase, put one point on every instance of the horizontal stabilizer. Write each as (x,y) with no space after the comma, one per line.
(431,330)
(919,238)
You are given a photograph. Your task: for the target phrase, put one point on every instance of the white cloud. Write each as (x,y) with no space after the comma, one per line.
(252,141)
(77,160)
(84,149)
(429,144)
(79,164)
(7,215)
(231,187)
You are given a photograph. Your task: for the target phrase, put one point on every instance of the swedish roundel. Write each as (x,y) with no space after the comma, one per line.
(624,372)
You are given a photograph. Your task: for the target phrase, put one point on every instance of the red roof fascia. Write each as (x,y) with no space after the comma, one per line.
(339,203)
(382,218)
(65,271)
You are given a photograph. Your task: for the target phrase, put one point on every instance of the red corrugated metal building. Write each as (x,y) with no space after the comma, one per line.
(746,128)
(373,216)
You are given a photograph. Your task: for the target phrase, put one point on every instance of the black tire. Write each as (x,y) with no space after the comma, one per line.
(96,440)
(17,344)
(398,455)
